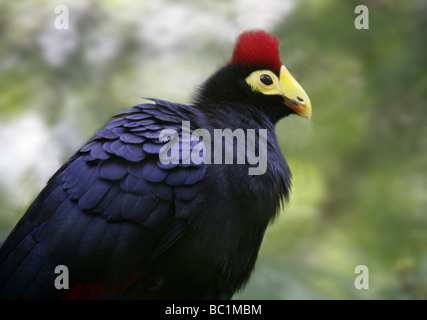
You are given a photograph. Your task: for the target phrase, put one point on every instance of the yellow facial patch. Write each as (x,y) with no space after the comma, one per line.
(265,81)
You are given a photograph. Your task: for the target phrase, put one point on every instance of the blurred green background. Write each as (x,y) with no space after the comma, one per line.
(360,165)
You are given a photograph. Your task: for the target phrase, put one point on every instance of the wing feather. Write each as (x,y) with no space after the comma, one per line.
(110,209)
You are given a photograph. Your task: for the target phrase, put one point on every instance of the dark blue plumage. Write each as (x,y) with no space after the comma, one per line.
(113,179)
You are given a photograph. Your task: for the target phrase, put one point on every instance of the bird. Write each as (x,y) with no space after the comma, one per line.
(120,222)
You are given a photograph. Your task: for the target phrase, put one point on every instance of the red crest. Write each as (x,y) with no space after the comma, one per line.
(257,49)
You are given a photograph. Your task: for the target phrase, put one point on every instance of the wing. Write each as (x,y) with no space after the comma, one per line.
(110,209)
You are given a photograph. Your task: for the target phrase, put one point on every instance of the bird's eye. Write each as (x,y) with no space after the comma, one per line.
(266,79)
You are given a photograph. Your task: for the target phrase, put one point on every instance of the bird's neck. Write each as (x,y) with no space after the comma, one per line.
(236,115)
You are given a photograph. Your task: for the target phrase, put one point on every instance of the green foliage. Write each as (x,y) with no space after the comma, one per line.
(367,144)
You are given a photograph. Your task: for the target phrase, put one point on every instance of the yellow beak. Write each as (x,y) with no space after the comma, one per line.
(295,96)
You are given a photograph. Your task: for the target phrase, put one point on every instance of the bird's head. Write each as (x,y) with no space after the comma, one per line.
(256,76)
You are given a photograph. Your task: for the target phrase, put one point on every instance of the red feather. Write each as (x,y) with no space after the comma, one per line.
(96,290)
(257,49)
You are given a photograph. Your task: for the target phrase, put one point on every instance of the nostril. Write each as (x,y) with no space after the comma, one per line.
(300,99)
